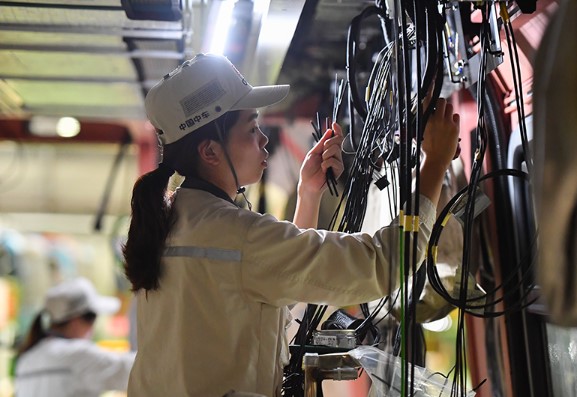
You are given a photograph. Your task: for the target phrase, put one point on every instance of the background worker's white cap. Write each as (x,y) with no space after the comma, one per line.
(76,297)
(199,91)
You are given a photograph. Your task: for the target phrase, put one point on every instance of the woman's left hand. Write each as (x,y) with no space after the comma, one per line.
(325,154)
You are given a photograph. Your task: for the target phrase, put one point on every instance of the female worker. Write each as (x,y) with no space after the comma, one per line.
(61,360)
(213,280)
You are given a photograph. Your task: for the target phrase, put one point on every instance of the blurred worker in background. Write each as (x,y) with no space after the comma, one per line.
(213,280)
(60,360)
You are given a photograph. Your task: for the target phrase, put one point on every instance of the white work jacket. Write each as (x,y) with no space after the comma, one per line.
(217,323)
(59,367)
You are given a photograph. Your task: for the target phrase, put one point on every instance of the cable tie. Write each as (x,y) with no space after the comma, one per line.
(416,224)
(434,253)
(504,13)
(444,223)
(408,223)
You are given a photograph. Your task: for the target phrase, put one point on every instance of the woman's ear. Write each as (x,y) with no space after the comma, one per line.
(209,151)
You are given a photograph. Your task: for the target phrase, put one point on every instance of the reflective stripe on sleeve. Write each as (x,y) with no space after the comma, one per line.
(201,252)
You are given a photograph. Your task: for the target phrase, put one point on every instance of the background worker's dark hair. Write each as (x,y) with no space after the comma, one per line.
(152,215)
(36,332)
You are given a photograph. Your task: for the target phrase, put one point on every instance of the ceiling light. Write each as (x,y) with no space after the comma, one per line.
(276,29)
(221,26)
(46,126)
(67,127)
(261,6)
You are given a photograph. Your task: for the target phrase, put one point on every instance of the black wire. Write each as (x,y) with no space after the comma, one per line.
(331,181)
(389,107)
(352,40)
(470,207)
(293,375)
(124,145)
(518,85)
(472,309)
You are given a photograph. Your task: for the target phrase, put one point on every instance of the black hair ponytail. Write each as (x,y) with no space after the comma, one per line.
(152,214)
(152,218)
(34,335)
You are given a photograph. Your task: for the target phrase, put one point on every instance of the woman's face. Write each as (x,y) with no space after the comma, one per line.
(246,148)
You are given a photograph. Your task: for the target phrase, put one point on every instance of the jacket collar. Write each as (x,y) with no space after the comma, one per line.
(200,184)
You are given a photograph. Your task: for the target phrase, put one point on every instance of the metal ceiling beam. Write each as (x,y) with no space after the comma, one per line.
(100,112)
(59,79)
(133,33)
(108,51)
(60,6)
(62,79)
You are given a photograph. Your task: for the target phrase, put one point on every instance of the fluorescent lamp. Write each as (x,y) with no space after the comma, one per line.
(261,6)
(276,30)
(221,26)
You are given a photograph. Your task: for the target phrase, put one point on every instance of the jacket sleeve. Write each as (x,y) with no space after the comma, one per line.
(283,264)
(102,370)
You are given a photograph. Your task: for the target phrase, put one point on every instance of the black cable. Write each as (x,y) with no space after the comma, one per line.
(124,145)
(518,85)
(434,278)
(352,40)
(390,105)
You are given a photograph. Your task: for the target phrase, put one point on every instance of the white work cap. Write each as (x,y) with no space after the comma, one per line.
(74,298)
(199,91)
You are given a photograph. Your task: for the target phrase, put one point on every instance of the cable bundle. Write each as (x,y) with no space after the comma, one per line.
(392,117)
(409,68)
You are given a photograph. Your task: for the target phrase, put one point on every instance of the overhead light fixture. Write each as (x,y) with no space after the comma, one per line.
(45,126)
(261,6)
(276,29)
(67,127)
(220,28)
(232,29)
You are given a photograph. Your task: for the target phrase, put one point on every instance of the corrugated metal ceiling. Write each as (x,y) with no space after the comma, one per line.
(83,59)
(86,59)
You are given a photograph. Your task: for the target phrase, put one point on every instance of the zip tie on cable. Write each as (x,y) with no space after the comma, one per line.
(434,253)
(447,217)
(504,13)
(409,223)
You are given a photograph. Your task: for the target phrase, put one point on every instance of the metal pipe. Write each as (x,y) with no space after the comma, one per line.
(335,366)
